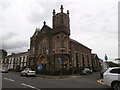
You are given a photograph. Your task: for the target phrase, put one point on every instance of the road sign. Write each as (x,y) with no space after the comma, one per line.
(60,61)
(39,67)
(106,58)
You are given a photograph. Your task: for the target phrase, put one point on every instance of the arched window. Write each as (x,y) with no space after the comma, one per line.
(83,60)
(44,46)
(58,44)
(88,60)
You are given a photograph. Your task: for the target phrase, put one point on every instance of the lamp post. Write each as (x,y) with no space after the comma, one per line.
(70,68)
(60,62)
(54,57)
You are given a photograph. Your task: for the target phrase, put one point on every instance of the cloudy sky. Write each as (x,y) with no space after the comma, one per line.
(93,23)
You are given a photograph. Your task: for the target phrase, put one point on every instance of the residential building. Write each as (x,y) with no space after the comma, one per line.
(3,54)
(97,63)
(17,62)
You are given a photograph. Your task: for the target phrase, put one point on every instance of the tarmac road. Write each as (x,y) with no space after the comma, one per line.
(14,80)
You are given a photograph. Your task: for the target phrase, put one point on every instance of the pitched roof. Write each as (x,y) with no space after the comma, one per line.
(46,28)
(16,54)
(72,40)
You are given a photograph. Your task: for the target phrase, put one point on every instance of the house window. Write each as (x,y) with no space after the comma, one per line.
(58,42)
(24,63)
(116,71)
(83,60)
(88,60)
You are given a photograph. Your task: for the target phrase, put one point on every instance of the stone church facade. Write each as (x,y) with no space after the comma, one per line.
(54,50)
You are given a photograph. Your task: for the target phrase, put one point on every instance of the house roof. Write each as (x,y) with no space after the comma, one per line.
(16,54)
(45,28)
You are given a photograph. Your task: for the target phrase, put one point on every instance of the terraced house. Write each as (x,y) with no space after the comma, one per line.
(16,62)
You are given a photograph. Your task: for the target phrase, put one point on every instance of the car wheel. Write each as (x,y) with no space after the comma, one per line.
(21,74)
(26,75)
(116,86)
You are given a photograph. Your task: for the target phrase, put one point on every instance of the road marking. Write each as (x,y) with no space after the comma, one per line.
(101,81)
(30,86)
(9,79)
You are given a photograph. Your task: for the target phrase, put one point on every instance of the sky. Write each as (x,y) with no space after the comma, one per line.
(94,23)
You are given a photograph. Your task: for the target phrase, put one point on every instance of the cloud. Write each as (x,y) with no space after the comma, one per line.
(5,4)
(8,35)
(42,11)
(14,44)
(11,41)
(92,22)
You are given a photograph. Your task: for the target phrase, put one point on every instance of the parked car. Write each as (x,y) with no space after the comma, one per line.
(112,78)
(85,71)
(102,72)
(3,70)
(28,72)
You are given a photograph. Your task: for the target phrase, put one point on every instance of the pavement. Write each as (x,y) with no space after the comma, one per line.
(58,77)
(100,81)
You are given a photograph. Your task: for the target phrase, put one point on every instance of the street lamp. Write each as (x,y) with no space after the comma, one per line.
(70,67)
(60,62)
(54,57)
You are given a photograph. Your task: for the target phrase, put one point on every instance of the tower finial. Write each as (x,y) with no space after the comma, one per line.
(68,12)
(61,8)
(53,11)
(44,23)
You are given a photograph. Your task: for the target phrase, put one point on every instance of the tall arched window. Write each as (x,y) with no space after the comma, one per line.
(83,60)
(65,42)
(88,60)
(44,46)
(58,44)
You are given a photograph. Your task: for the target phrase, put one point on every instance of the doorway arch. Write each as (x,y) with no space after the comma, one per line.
(42,60)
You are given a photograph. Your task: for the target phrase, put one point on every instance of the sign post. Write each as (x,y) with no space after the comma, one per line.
(106,58)
(60,62)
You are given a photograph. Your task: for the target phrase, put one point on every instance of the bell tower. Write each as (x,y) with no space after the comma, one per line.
(61,21)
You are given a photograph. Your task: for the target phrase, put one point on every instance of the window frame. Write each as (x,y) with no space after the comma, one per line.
(115,72)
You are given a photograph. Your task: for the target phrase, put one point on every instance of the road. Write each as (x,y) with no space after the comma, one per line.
(14,80)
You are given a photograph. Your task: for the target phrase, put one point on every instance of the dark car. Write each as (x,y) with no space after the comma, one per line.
(85,71)
(102,72)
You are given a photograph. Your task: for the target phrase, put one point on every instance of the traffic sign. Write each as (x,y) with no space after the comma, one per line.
(106,58)
(60,61)
(39,67)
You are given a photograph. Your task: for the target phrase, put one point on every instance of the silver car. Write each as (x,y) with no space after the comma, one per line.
(112,78)
(3,70)
(28,72)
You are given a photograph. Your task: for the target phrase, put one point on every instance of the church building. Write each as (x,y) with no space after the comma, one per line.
(52,49)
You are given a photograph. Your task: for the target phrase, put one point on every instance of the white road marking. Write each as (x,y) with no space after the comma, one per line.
(30,86)
(9,79)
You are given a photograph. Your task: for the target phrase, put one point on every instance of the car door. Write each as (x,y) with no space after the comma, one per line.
(115,74)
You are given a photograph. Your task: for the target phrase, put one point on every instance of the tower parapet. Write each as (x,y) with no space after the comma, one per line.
(61,20)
